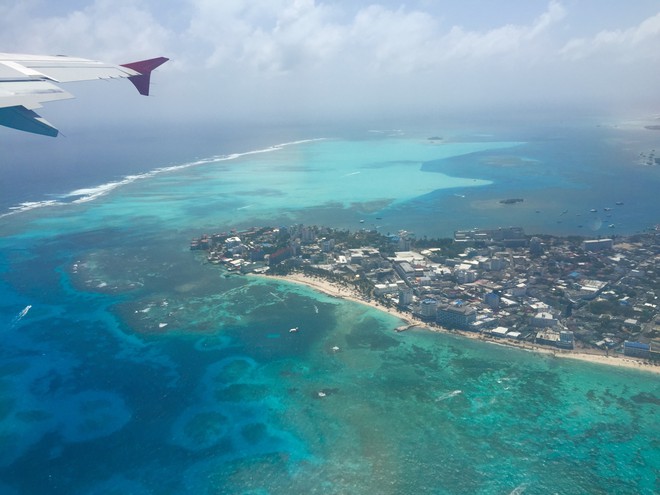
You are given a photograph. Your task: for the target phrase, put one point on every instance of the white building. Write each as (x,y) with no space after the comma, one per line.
(544,319)
(598,245)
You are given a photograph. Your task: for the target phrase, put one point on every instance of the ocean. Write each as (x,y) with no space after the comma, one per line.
(129,365)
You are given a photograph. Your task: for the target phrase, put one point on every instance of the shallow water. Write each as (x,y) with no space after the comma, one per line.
(140,369)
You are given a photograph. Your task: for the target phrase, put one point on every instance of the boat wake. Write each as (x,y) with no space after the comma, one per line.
(85,195)
(519,489)
(276,297)
(22,314)
(448,395)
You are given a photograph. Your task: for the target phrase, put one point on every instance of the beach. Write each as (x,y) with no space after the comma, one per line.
(344,292)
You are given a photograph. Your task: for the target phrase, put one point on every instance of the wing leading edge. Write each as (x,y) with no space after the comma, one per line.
(27,81)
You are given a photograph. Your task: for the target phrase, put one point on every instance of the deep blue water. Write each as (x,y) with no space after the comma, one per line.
(128,365)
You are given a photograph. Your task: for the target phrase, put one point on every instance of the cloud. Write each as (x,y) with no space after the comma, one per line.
(288,58)
(301,34)
(504,40)
(641,41)
(268,38)
(103,29)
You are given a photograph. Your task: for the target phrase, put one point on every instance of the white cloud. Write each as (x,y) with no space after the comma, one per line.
(641,41)
(307,57)
(504,40)
(303,34)
(104,29)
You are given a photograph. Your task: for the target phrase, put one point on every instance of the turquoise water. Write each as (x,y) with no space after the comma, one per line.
(139,369)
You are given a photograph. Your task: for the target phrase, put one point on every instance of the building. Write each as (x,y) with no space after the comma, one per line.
(404,269)
(428,309)
(566,339)
(544,319)
(535,246)
(548,337)
(231,242)
(328,245)
(465,276)
(636,349)
(519,290)
(405,297)
(598,245)
(499,332)
(631,324)
(382,289)
(307,235)
(563,339)
(456,316)
(280,255)
(492,299)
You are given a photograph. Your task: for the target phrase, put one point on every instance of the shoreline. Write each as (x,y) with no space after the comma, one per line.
(335,290)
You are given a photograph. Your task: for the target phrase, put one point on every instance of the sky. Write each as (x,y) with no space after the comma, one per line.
(311,60)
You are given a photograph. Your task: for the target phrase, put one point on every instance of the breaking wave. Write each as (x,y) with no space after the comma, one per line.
(85,195)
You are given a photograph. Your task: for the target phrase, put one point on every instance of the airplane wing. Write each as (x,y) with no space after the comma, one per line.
(27,81)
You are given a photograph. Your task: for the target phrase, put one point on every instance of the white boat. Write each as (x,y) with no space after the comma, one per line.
(293,330)
(24,311)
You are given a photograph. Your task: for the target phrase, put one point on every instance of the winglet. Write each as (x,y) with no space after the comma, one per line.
(144,67)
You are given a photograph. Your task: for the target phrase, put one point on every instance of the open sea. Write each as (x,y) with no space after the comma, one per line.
(130,366)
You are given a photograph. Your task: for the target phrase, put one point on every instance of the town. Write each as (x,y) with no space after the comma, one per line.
(567,293)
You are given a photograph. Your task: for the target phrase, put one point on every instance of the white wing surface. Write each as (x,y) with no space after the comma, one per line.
(27,81)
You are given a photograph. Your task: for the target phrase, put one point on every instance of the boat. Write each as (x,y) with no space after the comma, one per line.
(293,330)
(619,203)
(593,210)
(24,311)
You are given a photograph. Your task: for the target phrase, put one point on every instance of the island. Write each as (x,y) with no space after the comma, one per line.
(592,299)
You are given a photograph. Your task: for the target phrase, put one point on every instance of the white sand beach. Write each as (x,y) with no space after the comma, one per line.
(590,355)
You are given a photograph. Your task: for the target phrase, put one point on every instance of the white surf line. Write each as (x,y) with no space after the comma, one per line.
(93,193)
